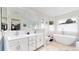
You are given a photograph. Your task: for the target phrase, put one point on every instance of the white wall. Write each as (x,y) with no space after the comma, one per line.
(71,27)
(32,16)
(55,11)
(67,15)
(26,16)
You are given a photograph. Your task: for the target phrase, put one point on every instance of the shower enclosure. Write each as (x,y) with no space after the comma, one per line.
(3,26)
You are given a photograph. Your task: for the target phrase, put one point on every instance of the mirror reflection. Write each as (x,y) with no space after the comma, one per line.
(4,25)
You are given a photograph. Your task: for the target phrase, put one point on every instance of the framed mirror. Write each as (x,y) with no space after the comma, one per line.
(51,22)
(15,24)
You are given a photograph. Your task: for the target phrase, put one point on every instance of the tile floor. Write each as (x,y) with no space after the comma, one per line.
(54,46)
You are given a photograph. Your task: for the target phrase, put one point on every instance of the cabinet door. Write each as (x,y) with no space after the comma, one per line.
(13,42)
(18,44)
(14,45)
(39,41)
(15,48)
(24,44)
(32,43)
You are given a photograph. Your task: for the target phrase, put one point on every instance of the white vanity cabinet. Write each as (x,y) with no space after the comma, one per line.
(18,44)
(14,45)
(35,42)
(39,40)
(25,42)
(32,43)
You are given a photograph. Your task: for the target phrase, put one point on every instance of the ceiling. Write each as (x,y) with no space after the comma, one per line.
(43,11)
(55,11)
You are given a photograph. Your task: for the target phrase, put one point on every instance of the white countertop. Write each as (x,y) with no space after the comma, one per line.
(13,37)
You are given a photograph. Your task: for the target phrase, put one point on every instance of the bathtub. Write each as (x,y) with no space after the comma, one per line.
(64,39)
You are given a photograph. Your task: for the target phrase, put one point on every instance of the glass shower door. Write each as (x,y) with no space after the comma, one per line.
(0,30)
(3,18)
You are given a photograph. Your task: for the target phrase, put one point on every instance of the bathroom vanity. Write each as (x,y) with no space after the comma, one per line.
(24,42)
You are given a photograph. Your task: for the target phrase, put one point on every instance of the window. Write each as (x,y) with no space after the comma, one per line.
(68,21)
(51,22)
(69,25)
(51,25)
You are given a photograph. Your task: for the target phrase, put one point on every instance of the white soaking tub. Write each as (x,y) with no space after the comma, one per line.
(64,39)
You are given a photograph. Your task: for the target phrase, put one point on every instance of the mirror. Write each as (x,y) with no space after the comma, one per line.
(51,22)
(15,24)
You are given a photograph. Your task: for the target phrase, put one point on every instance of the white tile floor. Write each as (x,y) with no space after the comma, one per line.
(54,46)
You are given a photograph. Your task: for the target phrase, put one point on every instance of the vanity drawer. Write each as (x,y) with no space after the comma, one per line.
(24,44)
(31,47)
(40,41)
(13,42)
(32,39)
(15,48)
